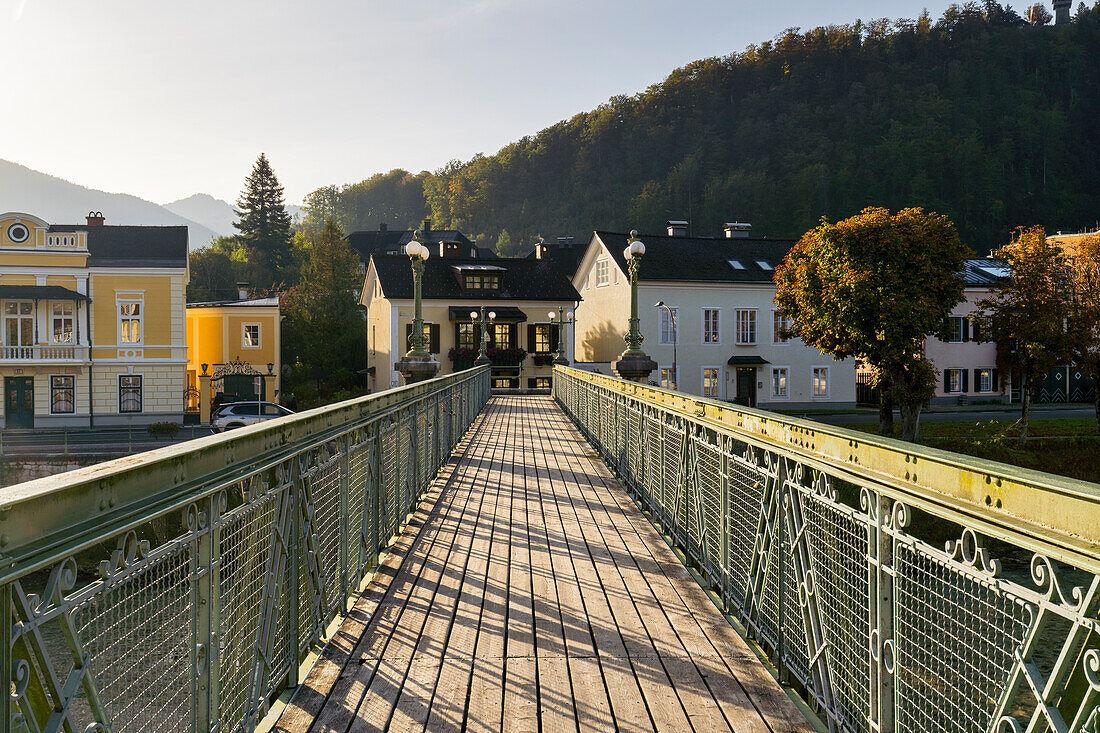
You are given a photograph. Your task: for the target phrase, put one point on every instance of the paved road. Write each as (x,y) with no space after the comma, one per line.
(106,441)
(1044,413)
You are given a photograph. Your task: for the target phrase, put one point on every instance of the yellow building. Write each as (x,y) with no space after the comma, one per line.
(92,330)
(234,343)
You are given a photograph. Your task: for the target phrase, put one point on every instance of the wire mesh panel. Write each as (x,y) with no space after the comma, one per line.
(180,590)
(844,582)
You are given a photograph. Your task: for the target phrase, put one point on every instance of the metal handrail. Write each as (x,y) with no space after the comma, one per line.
(899,587)
(179,589)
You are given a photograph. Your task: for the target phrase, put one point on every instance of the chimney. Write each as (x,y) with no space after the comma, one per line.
(427,225)
(242,291)
(565,242)
(450,250)
(1061,11)
(738,230)
(382,226)
(542,249)
(677,228)
(95,218)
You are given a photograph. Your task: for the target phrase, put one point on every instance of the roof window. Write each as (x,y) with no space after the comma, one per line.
(764,265)
(736,264)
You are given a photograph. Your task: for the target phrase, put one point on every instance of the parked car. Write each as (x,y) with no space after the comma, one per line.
(249,412)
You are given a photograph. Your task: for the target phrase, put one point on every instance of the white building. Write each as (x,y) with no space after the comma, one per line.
(721,329)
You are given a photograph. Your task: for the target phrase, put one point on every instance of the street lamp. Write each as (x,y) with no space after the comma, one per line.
(633,363)
(675,381)
(482,354)
(418,363)
(562,319)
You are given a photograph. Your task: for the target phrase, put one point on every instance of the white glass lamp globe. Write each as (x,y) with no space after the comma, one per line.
(473,315)
(636,248)
(492,315)
(412,249)
(552,315)
(425,253)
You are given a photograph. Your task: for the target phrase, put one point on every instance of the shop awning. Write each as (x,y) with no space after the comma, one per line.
(39,292)
(747,361)
(505,314)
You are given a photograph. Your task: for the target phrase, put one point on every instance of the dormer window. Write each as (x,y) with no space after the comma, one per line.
(481,281)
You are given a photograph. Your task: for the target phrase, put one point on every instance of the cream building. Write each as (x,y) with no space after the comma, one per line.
(523,339)
(93,323)
(721,329)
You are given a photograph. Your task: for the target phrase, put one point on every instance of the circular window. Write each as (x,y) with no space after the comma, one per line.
(18,233)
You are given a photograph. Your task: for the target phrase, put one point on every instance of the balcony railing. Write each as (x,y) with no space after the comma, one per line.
(43,352)
(180,589)
(899,587)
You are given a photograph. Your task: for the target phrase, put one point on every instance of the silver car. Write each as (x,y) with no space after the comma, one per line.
(239,414)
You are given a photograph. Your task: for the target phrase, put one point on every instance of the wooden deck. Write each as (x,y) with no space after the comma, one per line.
(528,593)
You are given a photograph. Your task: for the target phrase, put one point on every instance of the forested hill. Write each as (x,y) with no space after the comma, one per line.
(976,115)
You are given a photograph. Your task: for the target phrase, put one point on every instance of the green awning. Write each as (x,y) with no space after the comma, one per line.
(39,292)
(747,361)
(505,314)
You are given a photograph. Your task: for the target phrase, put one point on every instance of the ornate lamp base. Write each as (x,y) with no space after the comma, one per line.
(417,369)
(634,368)
(561,360)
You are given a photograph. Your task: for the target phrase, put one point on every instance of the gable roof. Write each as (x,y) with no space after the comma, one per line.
(567,258)
(392,241)
(521,279)
(701,259)
(132,246)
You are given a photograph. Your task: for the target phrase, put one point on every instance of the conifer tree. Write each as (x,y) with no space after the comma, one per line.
(264,224)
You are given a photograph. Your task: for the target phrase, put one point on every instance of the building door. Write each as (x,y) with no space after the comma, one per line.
(244,386)
(19,402)
(746,386)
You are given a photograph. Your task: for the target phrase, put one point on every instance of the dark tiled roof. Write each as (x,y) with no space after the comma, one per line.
(132,246)
(522,279)
(566,258)
(389,241)
(701,259)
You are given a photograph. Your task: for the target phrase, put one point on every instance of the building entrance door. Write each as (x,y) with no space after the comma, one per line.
(19,402)
(746,386)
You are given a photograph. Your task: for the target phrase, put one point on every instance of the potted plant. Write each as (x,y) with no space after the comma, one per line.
(506,356)
(462,357)
(542,359)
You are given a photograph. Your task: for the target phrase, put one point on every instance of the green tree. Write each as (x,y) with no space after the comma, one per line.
(264,223)
(215,270)
(874,287)
(1028,312)
(1083,324)
(323,329)
(1037,14)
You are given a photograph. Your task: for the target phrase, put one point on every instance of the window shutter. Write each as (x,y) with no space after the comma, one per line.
(434,338)
(975,329)
(554,345)
(965,374)
(531,329)
(965,329)
(977,380)
(458,330)
(946,384)
(996,381)
(513,335)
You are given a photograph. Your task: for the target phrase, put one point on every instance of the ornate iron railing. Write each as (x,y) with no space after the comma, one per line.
(898,587)
(180,589)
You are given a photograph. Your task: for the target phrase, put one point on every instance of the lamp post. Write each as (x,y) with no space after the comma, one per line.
(482,354)
(418,364)
(675,381)
(634,364)
(562,319)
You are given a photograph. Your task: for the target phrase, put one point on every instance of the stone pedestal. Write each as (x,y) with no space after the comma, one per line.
(417,369)
(636,368)
(204,399)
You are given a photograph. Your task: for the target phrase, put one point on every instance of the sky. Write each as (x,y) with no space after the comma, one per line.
(166,99)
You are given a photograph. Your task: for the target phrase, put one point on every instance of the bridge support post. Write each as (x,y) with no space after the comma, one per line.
(345,540)
(880,576)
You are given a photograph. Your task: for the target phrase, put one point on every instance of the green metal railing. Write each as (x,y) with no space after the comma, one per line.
(180,589)
(897,587)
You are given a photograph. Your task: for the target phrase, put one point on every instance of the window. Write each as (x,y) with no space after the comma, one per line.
(780,323)
(712,330)
(821,381)
(711,381)
(746,327)
(956,330)
(985,380)
(502,335)
(480,281)
(541,340)
(539,383)
(668,333)
(129,322)
(779,382)
(18,323)
(975,328)
(601,272)
(954,380)
(764,265)
(468,336)
(668,377)
(129,393)
(250,336)
(62,395)
(736,264)
(62,323)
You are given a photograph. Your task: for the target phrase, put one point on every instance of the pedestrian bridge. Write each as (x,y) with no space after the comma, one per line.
(617,557)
